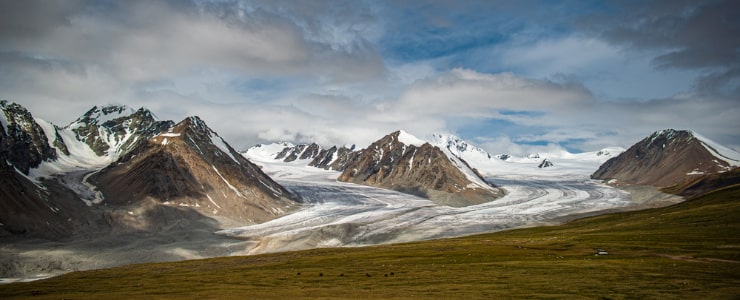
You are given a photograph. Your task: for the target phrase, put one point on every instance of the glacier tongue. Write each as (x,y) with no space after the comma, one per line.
(344,214)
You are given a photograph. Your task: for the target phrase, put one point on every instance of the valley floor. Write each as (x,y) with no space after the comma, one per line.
(342,214)
(336,214)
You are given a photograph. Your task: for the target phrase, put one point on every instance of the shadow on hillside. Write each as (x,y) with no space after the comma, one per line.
(151,233)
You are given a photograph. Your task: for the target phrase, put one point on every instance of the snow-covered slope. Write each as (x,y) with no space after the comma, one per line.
(731,157)
(562,163)
(266,152)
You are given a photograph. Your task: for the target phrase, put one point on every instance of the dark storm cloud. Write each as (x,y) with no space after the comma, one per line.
(690,35)
(701,33)
(23,20)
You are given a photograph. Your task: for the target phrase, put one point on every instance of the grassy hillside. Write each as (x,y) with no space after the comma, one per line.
(687,251)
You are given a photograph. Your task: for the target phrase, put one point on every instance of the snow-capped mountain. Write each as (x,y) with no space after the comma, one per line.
(667,158)
(402,162)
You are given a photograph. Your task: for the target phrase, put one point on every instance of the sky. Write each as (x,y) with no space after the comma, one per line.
(513,77)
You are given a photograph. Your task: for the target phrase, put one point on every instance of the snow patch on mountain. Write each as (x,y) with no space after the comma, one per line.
(3,121)
(265,152)
(723,153)
(221,144)
(409,139)
(80,157)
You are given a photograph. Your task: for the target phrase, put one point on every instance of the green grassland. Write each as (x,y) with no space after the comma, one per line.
(686,251)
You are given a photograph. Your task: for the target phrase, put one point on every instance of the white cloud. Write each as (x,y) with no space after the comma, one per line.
(320,77)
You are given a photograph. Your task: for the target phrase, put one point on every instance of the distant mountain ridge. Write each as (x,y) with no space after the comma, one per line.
(667,158)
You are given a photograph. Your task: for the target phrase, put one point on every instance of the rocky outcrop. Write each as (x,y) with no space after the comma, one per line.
(667,158)
(546,163)
(422,170)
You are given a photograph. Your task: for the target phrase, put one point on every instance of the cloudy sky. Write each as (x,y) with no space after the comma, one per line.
(511,76)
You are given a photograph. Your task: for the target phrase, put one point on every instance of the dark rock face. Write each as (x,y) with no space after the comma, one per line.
(333,158)
(302,151)
(184,167)
(664,159)
(421,170)
(103,128)
(545,164)
(22,141)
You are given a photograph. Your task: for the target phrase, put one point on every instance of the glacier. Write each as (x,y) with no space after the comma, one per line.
(350,215)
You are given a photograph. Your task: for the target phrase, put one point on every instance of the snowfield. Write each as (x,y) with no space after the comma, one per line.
(344,214)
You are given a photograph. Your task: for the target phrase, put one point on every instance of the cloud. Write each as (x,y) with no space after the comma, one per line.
(689,35)
(151,40)
(530,75)
(467,93)
(695,34)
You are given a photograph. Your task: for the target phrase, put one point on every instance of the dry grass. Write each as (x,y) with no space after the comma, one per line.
(687,251)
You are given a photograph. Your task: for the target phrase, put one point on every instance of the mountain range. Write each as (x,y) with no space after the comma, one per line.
(117,168)
(121,172)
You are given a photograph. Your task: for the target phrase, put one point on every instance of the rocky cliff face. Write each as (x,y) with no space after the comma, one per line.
(299,152)
(668,158)
(23,142)
(113,130)
(420,169)
(189,165)
(333,158)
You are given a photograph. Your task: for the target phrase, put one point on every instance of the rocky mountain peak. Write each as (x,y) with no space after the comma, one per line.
(190,165)
(22,140)
(668,157)
(116,129)
(402,162)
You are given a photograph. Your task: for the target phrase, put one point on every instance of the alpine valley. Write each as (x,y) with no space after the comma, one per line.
(119,186)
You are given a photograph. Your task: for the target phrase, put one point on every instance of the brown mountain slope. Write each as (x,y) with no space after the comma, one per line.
(191,166)
(421,170)
(47,210)
(706,184)
(666,158)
